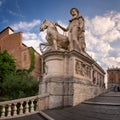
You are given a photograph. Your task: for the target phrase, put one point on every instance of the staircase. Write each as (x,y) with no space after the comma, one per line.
(103,107)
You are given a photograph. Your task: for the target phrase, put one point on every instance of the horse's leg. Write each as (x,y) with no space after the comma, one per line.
(44,44)
(41,47)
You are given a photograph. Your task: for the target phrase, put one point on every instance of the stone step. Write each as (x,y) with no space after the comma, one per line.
(103,107)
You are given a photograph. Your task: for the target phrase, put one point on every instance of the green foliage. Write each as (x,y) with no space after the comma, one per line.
(7,65)
(32,55)
(15,83)
(20,85)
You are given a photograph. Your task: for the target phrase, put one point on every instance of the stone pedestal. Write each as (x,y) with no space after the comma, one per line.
(68,77)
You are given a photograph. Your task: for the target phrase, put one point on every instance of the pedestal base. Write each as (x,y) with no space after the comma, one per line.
(68,78)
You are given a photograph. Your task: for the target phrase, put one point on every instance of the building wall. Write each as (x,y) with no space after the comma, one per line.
(12,42)
(113,75)
(6,31)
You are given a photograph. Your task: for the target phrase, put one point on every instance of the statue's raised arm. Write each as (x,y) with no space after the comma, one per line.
(64,29)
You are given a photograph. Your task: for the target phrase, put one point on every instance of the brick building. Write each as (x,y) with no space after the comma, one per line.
(113,75)
(12,42)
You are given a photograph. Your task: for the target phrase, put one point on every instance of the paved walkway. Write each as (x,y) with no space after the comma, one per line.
(105,107)
(36,116)
(111,98)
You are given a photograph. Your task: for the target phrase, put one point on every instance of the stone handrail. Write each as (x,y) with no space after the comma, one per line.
(23,106)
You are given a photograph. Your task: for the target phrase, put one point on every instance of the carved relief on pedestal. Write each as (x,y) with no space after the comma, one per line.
(82,69)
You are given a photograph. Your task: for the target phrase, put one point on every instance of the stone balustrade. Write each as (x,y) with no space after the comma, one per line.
(23,106)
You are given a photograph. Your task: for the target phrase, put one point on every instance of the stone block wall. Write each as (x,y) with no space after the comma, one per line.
(68,78)
(84,92)
(60,92)
(12,42)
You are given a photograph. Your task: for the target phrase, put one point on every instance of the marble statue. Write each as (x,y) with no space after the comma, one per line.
(55,40)
(75,30)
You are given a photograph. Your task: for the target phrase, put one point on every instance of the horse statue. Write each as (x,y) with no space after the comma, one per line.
(55,40)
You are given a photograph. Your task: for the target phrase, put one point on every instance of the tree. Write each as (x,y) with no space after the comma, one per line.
(15,83)
(20,85)
(7,65)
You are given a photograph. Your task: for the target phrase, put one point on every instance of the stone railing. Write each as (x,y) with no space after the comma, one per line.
(23,106)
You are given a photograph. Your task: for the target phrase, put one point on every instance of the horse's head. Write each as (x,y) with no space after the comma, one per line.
(44,25)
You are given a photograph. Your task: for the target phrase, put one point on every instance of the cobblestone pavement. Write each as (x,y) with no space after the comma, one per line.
(104,107)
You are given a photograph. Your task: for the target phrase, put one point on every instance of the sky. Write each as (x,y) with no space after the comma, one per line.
(102,24)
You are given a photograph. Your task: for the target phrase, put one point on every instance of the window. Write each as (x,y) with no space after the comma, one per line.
(25,57)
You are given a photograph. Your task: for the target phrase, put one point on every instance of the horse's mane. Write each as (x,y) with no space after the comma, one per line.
(51,23)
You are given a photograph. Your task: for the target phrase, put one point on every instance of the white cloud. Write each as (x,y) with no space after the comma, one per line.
(32,39)
(118,59)
(28,36)
(101,33)
(33,43)
(104,47)
(112,35)
(101,25)
(112,61)
(23,25)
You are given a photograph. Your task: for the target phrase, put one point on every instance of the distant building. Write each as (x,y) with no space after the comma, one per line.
(113,75)
(12,42)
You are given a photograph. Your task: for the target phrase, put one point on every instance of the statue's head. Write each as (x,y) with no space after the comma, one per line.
(74,9)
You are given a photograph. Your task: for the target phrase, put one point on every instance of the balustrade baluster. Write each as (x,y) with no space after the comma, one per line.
(15,109)
(27,107)
(21,108)
(3,112)
(9,110)
(32,106)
